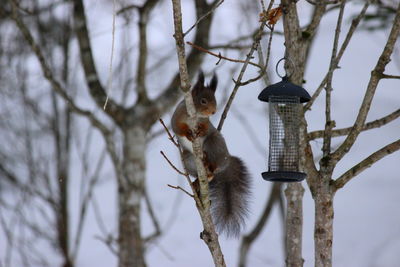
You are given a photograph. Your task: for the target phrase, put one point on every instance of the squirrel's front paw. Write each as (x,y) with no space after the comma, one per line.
(202,129)
(189,135)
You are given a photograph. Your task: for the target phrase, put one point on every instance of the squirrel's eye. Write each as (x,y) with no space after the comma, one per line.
(203,101)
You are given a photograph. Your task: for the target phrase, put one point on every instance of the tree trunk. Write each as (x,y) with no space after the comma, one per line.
(130,189)
(294,224)
(323,229)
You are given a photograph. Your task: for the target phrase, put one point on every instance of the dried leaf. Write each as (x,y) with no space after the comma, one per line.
(272,16)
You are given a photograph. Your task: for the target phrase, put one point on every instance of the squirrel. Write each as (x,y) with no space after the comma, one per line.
(229,182)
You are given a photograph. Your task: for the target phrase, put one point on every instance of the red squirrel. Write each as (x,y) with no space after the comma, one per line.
(229,182)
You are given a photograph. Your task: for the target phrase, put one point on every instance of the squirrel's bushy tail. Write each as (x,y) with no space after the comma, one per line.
(229,194)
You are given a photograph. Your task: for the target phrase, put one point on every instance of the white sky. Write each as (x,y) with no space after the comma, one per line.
(367,213)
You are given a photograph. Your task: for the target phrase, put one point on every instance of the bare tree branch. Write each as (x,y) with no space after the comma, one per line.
(256,42)
(221,56)
(319,11)
(93,180)
(180,188)
(172,165)
(376,76)
(366,163)
(368,126)
(185,172)
(229,46)
(92,78)
(109,242)
(170,137)
(264,66)
(110,65)
(356,21)
(27,188)
(215,6)
(329,124)
(142,59)
(156,224)
(48,73)
(387,76)
(234,44)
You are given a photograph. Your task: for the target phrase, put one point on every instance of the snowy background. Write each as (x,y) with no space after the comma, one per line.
(367,209)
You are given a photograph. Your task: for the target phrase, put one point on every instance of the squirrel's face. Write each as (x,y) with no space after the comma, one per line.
(204,96)
(206,104)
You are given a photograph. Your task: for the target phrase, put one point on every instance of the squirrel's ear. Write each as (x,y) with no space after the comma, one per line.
(199,84)
(200,79)
(214,83)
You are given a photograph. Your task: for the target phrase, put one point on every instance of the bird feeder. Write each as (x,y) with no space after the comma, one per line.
(285,103)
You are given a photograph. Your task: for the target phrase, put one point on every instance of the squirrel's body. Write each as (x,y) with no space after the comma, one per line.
(182,129)
(230,184)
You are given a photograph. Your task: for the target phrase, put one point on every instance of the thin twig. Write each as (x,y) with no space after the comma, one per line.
(229,46)
(170,137)
(233,44)
(387,76)
(185,173)
(326,147)
(96,89)
(221,56)
(204,16)
(150,210)
(172,165)
(48,74)
(99,218)
(269,48)
(109,243)
(93,180)
(109,80)
(375,78)
(180,188)
(343,48)
(256,42)
(264,65)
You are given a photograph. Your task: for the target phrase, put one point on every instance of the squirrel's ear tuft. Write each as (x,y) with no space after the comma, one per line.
(214,83)
(199,84)
(200,79)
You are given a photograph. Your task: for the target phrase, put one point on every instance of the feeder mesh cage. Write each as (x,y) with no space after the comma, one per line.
(284,133)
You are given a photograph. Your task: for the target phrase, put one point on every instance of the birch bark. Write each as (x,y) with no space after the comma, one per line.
(130,187)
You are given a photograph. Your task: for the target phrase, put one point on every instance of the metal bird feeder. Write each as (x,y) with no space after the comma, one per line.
(285,103)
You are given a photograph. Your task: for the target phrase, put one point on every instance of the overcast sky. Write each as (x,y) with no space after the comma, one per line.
(367,210)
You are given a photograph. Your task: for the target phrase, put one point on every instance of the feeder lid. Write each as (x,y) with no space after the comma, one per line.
(284,88)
